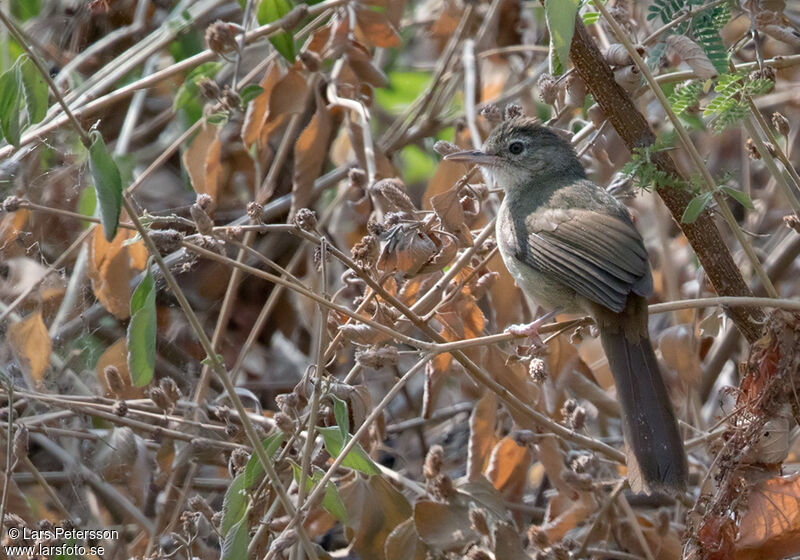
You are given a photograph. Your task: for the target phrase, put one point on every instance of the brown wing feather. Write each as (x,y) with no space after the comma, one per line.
(600,256)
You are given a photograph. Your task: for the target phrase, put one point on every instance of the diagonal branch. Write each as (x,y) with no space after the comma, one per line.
(635,131)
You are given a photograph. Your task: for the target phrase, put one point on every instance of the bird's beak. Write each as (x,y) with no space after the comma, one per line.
(474,156)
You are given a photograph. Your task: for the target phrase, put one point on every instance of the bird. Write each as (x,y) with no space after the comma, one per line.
(572,247)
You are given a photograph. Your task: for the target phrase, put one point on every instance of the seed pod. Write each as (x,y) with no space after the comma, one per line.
(170,389)
(780,123)
(160,399)
(478,553)
(166,240)
(21,443)
(114,381)
(537,370)
(433,462)
(513,110)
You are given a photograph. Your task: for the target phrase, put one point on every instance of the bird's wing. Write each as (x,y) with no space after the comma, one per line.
(600,256)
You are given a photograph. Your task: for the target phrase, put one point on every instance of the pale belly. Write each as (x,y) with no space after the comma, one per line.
(537,285)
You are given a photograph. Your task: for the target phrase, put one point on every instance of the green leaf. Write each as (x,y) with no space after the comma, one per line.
(695,208)
(9,104)
(107,184)
(142,328)
(87,204)
(739,196)
(35,90)
(560,16)
(217,118)
(189,90)
(250,92)
(332,501)
(269,11)
(357,459)
(341,415)
(234,506)
(404,87)
(254,468)
(234,545)
(590,18)
(25,9)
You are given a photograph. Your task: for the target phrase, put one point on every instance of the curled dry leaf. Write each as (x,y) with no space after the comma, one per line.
(376,28)
(257,110)
(30,343)
(310,153)
(770,528)
(450,211)
(374,510)
(482,422)
(360,61)
(202,161)
(508,468)
(680,350)
(112,267)
(692,54)
(407,249)
(403,543)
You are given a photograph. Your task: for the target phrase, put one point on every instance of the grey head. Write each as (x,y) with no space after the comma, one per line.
(521,154)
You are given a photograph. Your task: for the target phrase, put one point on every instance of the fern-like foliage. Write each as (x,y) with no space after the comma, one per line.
(729,105)
(705,28)
(645,174)
(685,96)
(667,10)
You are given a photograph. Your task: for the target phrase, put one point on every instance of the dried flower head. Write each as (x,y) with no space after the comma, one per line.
(513,111)
(537,370)
(209,89)
(221,37)
(254,212)
(478,553)
(492,113)
(441,487)
(305,219)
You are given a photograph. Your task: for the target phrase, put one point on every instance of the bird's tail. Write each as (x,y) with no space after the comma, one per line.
(651,432)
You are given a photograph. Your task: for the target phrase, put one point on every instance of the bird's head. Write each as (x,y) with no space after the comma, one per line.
(520,152)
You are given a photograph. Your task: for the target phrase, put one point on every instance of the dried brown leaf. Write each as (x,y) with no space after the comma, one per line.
(692,54)
(403,543)
(202,161)
(256,114)
(374,509)
(310,153)
(451,214)
(508,468)
(481,434)
(377,28)
(770,528)
(30,343)
(111,269)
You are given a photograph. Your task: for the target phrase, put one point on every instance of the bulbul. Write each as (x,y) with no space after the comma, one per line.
(572,247)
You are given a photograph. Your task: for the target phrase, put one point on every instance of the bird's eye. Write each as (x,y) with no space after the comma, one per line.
(516,148)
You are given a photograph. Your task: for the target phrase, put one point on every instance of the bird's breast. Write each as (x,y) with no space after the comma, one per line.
(538,285)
